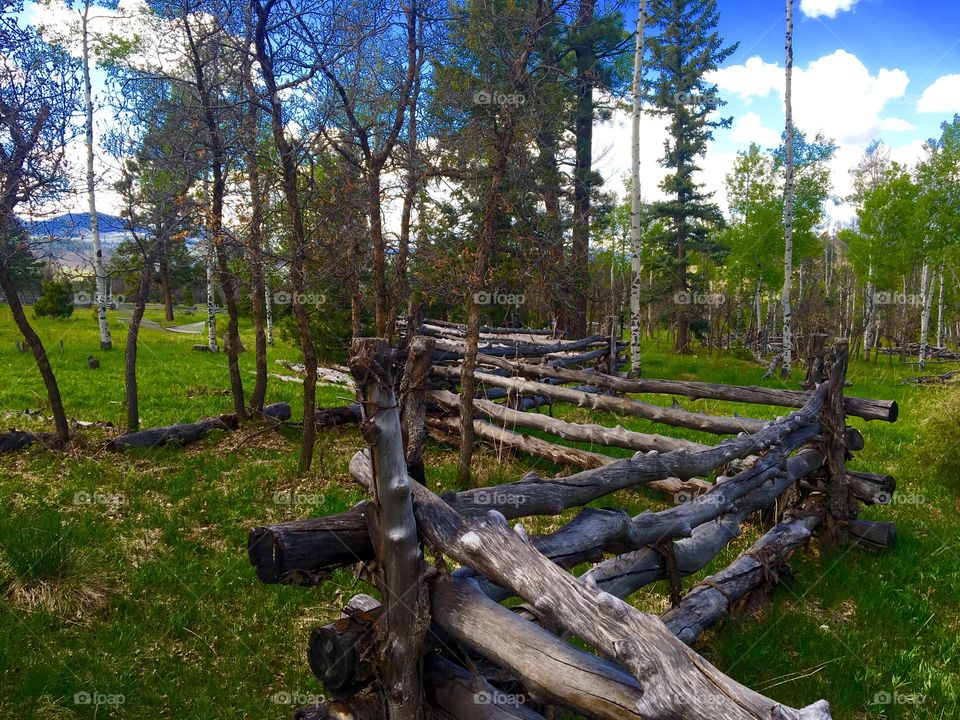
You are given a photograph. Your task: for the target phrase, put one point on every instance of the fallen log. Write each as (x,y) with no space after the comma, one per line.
(17,440)
(865,408)
(872,534)
(710,601)
(486,328)
(304,551)
(186,433)
(339,415)
(624,406)
(674,681)
(596,434)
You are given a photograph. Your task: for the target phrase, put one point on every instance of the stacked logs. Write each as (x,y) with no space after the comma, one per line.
(440,640)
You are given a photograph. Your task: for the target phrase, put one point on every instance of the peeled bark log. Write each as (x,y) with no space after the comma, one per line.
(597,434)
(865,408)
(675,681)
(624,406)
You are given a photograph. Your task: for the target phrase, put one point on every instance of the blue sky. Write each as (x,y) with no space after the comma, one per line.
(864,69)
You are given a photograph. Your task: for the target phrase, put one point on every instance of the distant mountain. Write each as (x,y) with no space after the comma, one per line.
(67,239)
(74,226)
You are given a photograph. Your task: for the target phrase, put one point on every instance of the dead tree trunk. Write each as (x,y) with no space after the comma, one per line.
(407,618)
(412,389)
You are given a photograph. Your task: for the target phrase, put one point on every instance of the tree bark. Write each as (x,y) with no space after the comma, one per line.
(39,354)
(396,543)
(636,239)
(100,276)
(788,202)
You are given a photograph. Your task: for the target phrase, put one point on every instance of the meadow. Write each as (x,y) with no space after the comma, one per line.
(125,589)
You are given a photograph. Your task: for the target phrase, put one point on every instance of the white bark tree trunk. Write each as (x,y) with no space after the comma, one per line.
(788,200)
(636,241)
(941,324)
(871,310)
(269,307)
(100,299)
(926,292)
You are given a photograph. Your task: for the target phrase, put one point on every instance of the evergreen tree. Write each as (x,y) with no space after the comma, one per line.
(683,47)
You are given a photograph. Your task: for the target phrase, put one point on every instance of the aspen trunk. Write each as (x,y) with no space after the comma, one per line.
(636,241)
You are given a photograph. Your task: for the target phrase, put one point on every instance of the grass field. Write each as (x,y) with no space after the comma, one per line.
(125,590)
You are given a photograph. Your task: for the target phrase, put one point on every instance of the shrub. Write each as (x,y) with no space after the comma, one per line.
(56,300)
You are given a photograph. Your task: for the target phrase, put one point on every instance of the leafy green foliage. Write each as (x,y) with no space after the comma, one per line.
(56,300)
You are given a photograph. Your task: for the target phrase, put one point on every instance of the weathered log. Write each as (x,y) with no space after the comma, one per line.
(186,433)
(304,551)
(597,434)
(16,440)
(460,327)
(533,495)
(624,406)
(709,602)
(500,438)
(675,681)
(412,389)
(865,408)
(453,350)
(871,488)
(729,503)
(395,542)
(595,532)
(463,696)
(339,415)
(530,496)
(872,534)
(833,422)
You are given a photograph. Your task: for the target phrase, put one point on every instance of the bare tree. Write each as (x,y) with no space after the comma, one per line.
(38,96)
(636,239)
(788,189)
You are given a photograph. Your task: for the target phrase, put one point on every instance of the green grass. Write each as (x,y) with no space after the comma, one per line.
(127,575)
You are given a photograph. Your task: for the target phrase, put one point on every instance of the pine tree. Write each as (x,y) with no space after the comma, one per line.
(684,46)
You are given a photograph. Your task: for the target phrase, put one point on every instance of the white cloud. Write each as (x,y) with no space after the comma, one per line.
(893,124)
(825,8)
(754,79)
(750,128)
(943,96)
(835,94)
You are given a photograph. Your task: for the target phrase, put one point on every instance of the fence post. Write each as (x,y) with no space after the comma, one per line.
(833,419)
(414,409)
(393,530)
